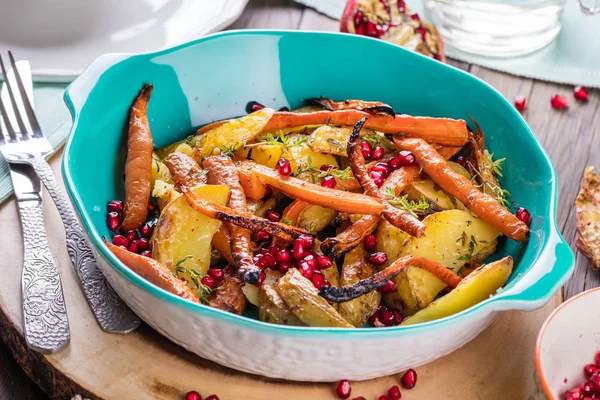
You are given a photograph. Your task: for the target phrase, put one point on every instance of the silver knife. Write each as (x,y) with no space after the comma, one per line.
(45,320)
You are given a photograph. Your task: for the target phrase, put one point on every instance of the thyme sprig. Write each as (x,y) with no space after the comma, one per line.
(500,194)
(472,243)
(414,208)
(189,274)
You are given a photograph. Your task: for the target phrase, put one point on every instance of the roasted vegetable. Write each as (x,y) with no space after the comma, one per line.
(587,211)
(304,301)
(475,288)
(355,268)
(185,169)
(428,190)
(229,296)
(367,106)
(316,218)
(271,307)
(182,236)
(333,139)
(138,166)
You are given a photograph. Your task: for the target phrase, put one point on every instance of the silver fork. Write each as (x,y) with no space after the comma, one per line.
(30,147)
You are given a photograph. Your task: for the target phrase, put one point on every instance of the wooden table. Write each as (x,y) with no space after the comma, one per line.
(571,138)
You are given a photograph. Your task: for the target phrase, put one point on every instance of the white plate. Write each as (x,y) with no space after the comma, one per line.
(61,37)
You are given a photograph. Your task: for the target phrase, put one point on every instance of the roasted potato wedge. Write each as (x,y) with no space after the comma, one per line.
(266,154)
(390,240)
(302,155)
(182,236)
(303,299)
(271,307)
(316,218)
(251,293)
(355,268)
(475,288)
(333,139)
(427,189)
(449,236)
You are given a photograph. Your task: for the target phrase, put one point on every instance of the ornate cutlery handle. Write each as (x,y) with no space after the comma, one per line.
(110,311)
(45,320)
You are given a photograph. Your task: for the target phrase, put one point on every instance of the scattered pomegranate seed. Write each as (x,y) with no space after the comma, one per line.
(343,389)
(115,206)
(388,318)
(147,253)
(149,246)
(559,101)
(268,193)
(360,29)
(389,287)
(366,149)
(329,182)
(193,395)
(415,17)
(131,235)
(308,241)
(359,398)
(212,397)
(407,158)
(409,379)
(401,6)
(317,279)
(460,160)
(253,106)
(262,236)
(421,31)
(274,249)
(384,397)
(595,378)
(311,260)
(297,250)
(216,273)
(580,93)
(523,215)
(261,279)
(588,389)
(273,215)
(306,270)
(146,231)
(520,102)
(208,281)
(258,261)
(395,162)
(574,394)
(282,255)
(397,317)
(142,244)
(284,266)
(588,370)
(370,243)
(113,221)
(120,240)
(376,320)
(377,178)
(358,18)
(378,258)
(382,168)
(378,152)
(269,260)
(597,358)
(324,262)
(284,167)
(151,207)
(133,246)
(371,29)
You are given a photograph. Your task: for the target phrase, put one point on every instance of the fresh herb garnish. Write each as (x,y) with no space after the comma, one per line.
(372,138)
(286,221)
(467,256)
(189,274)
(282,140)
(201,173)
(500,194)
(191,141)
(412,207)
(339,175)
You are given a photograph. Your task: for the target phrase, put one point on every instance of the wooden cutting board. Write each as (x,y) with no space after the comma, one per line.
(143,365)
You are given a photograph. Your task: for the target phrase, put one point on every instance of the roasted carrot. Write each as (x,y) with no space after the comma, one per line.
(482,204)
(138,165)
(253,188)
(443,131)
(184,169)
(221,241)
(153,271)
(229,297)
(315,194)
(293,212)
(367,106)
(341,294)
(222,171)
(447,152)
(399,218)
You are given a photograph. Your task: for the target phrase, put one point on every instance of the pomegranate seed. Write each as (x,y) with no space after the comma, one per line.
(274,249)
(597,359)
(523,215)
(261,279)
(415,17)
(306,270)
(208,280)
(317,279)
(387,318)
(409,379)
(359,398)
(327,168)
(142,244)
(297,250)
(460,160)
(377,178)
(389,287)
(269,260)
(360,29)
(284,108)
(147,253)
(193,395)
(324,262)
(378,258)
(212,397)
(133,246)
(580,93)
(258,261)
(370,243)
(149,246)
(407,158)
(113,221)
(371,29)
(308,241)
(588,370)
(376,320)
(381,168)
(151,207)
(273,215)
(397,317)
(366,150)
(120,240)
(326,284)
(131,235)
(574,394)
(268,193)
(395,162)
(216,273)
(262,236)
(421,31)
(520,102)
(329,182)
(595,378)
(146,231)
(343,389)
(378,153)
(284,266)
(282,255)
(559,101)
(358,18)
(253,106)
(588,389)
(384,397)
(284,167)
(115,206)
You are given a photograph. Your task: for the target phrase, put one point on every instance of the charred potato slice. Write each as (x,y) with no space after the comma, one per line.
(271,307)
(182,236)
(303,299)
